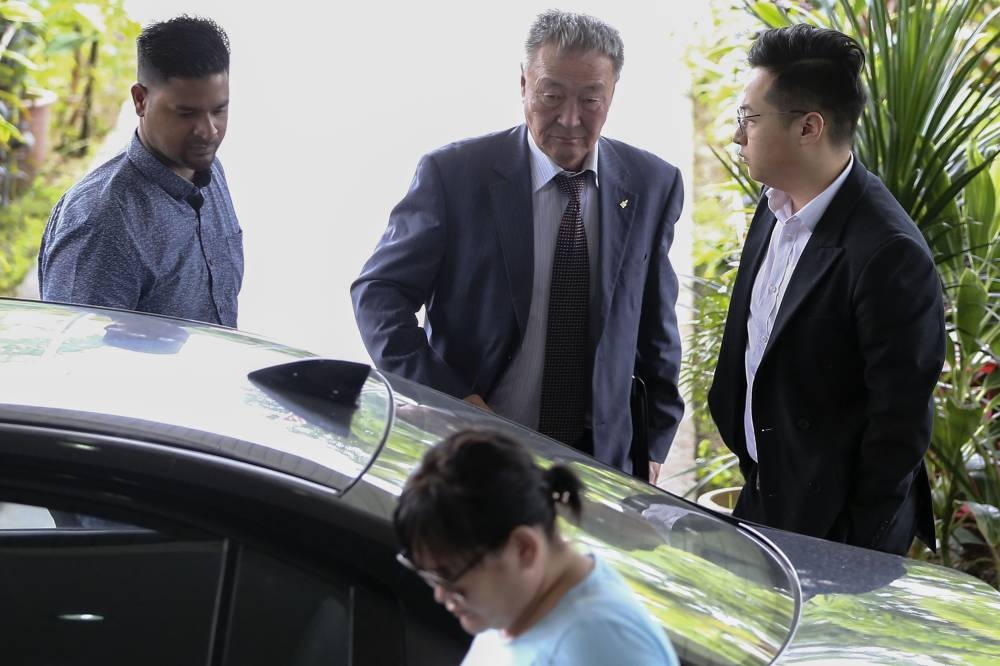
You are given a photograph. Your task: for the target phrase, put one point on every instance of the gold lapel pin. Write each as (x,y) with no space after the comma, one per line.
(623,204)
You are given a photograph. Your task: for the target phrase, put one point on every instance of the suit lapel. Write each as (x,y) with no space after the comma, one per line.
(510,200)
(821,251)
(618,202)
(729,385)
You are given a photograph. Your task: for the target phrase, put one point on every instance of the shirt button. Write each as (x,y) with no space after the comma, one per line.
(763,339)
(773,289)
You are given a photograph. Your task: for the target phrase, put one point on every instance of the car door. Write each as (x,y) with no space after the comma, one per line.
(99,567)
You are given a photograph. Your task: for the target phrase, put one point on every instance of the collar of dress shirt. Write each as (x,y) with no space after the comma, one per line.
(156,171)
(809,215)
(543,169)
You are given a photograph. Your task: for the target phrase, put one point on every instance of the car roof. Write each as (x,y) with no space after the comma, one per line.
(103,369)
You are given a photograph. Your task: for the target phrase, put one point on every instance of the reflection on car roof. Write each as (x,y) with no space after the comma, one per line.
(185,383)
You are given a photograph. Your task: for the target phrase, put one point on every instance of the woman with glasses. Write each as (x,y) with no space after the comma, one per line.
(477,522)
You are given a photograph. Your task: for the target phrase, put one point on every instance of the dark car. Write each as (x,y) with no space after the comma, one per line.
(177,493)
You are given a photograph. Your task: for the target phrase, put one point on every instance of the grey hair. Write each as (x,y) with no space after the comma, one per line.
(574,32)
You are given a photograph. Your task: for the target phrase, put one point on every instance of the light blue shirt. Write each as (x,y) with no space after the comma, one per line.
(518,394)
(596,623)
(788,239)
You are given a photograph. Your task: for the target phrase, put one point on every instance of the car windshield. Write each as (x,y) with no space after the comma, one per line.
(724,594)
(184,383)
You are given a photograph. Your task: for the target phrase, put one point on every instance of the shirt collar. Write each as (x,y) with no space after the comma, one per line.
(809,215)
(543,169)
(156,171)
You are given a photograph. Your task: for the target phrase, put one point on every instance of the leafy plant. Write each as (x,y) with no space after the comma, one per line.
(19,24)
(719,220)
(22,222)
(90,57)
(86,52)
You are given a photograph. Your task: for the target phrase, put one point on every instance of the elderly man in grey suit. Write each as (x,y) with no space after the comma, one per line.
(540,255)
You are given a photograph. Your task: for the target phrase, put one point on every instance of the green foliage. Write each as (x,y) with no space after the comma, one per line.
(83,51)
(720,219)
(19,35)
(22,223)
(892,622)
(86,53)
(90,59)
(715,466)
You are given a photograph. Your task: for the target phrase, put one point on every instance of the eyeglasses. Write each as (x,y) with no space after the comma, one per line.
(742,118)
(448,584)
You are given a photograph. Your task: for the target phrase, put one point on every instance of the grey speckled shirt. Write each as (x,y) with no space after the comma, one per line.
(128,236)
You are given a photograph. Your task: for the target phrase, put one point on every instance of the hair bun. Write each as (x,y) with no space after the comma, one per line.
(564,487)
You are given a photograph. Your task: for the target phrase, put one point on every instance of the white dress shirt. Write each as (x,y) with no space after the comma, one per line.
(518,393)
(788,239)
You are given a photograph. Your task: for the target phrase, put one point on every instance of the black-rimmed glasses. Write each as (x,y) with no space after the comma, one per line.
(450,583)
(742,118)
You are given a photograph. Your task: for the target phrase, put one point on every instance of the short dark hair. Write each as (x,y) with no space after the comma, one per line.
(185,47)
(471,491)
(815,69)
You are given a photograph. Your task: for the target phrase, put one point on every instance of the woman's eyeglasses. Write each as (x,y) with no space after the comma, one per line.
(447,583)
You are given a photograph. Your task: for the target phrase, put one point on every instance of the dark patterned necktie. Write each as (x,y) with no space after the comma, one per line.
(565,384)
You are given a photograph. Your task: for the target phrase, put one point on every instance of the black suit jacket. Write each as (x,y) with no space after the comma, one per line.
(842,406)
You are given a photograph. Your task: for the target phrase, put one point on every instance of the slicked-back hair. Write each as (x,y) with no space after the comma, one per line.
(815,69)
(471,491)
(571,32)
(184,47)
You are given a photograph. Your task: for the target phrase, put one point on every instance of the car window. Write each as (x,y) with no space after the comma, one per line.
(111,591)
(283,615)
(87,589)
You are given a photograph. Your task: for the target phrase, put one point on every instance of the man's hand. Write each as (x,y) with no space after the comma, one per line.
(654,472)
(476,400)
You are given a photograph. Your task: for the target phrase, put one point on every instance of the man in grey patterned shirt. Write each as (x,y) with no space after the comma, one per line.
(154,228)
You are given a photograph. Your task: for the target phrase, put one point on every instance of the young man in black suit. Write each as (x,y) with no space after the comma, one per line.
(835,334)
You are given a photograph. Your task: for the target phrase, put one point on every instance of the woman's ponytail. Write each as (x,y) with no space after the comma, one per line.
(564,488)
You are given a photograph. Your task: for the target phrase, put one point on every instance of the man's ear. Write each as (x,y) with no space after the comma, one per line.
(527,544)
(813,128)
(523,82)
(140,95)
